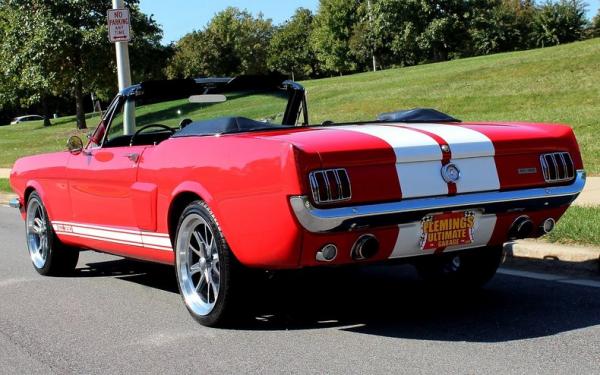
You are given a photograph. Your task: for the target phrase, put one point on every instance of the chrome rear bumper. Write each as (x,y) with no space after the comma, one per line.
(322,220)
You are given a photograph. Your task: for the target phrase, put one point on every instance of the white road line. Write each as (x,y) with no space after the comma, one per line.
(590,283)
(531,275)
(549,277)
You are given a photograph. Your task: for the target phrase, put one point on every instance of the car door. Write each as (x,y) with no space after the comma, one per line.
(100,186)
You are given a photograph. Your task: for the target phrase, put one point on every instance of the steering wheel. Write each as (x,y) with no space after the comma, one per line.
(143,128)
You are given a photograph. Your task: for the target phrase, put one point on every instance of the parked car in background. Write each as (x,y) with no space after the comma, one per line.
(28,118)
(261,188)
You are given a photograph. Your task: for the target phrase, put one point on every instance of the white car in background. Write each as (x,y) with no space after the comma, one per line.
(27,118)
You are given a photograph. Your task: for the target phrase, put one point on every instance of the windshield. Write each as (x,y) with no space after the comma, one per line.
(267,107)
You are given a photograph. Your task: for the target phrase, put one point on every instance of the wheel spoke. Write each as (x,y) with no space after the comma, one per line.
(216,269)
(206,236)
(195,268)
(200,283)
(215,291)
(209,287)
(196,251)
(201,244)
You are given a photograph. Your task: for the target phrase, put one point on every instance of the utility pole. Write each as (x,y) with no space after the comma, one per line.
(372,47)
(124,75)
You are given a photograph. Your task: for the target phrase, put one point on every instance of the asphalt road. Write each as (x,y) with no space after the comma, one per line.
(120,316)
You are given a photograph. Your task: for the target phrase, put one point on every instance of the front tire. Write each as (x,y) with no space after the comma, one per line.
(48,255)
(205,267)
(468,270)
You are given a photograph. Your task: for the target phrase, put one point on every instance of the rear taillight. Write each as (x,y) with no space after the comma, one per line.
(557,167)
(330,186)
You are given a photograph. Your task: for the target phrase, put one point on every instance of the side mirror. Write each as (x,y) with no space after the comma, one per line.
(75,145)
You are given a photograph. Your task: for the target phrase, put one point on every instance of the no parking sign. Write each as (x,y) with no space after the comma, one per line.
(118,25)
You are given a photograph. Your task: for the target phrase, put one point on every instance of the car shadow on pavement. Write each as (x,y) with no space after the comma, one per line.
(390,301)
(158,276)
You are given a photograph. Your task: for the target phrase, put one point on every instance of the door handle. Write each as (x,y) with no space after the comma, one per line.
(134,157)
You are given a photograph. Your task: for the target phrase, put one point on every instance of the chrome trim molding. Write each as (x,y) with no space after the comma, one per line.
(550,164)
(15,203)
(341,194)
(321,220)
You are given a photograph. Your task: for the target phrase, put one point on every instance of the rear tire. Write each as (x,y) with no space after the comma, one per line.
(48,255)
(207,271)
(470,270)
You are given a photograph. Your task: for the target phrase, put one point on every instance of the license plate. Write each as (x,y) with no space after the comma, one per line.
(447,229)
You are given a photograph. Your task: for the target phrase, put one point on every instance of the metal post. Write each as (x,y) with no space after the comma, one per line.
(124,76)
(372,47)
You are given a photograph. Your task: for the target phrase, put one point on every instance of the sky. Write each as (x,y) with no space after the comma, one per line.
(179,17)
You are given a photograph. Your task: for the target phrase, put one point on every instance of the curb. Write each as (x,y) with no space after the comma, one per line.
(553,256)
(5,197)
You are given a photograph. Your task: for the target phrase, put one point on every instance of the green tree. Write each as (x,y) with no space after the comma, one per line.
(61,48)
(189,59)
(559,22)
(595,26)
(334,27)
(290,50)
(233,43)
(502,25)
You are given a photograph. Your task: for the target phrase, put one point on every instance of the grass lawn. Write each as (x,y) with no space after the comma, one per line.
(31,138)
(5,186)
(558,84)
(578,225)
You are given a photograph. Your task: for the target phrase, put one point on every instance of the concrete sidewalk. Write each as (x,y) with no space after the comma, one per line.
(553,255)
(591,193)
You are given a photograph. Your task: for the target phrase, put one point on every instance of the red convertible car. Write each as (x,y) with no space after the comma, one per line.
(171,176)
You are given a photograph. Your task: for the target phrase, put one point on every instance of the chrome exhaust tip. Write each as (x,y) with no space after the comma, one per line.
(365,247)
(327,253)
(548,225)
(521,228)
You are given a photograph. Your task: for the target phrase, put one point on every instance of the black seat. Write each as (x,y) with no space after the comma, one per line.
(416,115)
(224,125)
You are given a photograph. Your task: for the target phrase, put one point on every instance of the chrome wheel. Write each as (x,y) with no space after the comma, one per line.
(197,262)
(37,233)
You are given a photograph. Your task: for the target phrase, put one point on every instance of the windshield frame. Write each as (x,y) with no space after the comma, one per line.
(296,97)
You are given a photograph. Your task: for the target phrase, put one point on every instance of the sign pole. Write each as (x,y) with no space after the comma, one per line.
(124,74)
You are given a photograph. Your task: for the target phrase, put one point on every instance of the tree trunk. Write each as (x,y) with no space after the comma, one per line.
(79,106)
(45,111)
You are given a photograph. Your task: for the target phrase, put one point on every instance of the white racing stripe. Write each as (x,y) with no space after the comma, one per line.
(151,240)
(472,152)
(476,174)
(418,158)
(464,142)
(409,146)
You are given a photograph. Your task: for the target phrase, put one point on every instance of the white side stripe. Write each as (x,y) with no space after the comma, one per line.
(158,241)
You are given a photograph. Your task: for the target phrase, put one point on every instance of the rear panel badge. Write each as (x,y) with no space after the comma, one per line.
(450,173)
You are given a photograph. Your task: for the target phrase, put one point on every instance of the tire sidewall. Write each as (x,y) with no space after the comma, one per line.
(46,269)
(218,313)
